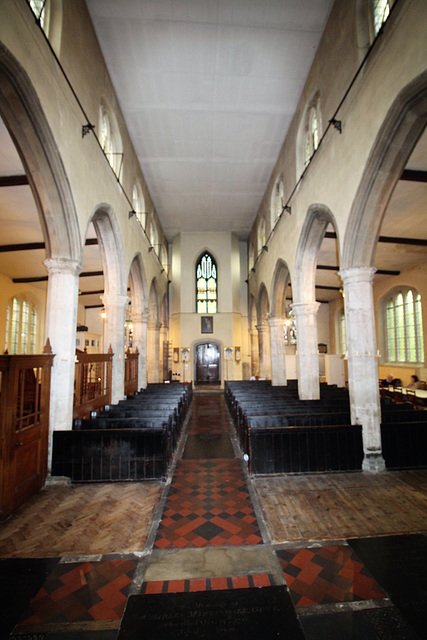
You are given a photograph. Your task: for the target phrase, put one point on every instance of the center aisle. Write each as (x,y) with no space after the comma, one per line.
(208,503)
(208,507)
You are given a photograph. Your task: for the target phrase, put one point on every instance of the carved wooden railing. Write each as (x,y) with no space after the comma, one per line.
(131,372)
(24,426)
(92,382)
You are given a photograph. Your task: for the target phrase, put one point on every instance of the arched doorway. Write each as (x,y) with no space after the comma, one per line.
(207,363)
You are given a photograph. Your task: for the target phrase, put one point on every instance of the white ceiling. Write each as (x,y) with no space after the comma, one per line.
(208,89)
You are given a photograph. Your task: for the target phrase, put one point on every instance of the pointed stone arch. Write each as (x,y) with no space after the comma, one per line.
(280,282)
(318,217)
(253,336)
(304,305)
(394,143)
(115,298)
(27,124)
(263,327)
(24,117)
(153,334)
(139,301)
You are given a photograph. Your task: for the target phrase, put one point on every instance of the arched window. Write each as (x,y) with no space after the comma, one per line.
(277,202)
(21,326)
(381,10)
(40,9)
(404,327)
(312,132)
(109,140)
(261,234)
(206,285)
(138,204)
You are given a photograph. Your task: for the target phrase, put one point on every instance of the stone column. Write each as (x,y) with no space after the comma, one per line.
(61,323)
(153,351)
(277,349)
(163,354)
(139,321)
(114,334)
(264,351)
(362,361)
(254,353)
(307,354)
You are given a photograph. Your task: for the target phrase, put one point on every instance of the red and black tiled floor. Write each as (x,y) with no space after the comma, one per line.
(345,591)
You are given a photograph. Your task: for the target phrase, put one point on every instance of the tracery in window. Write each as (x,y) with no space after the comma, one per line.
(138,204)
(381,12)
(404,331)
(21,326)
(206,285)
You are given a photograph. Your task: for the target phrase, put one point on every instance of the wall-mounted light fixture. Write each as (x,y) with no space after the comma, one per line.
(336,123)
(87,128)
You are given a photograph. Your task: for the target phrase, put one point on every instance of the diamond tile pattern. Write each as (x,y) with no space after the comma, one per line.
(208,504)
(83,592)
(326,575)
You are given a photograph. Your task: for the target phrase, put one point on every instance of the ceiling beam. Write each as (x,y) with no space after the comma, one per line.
(381,272)
(31,246)
(389,239)
(414,175)
(13,181)
(84,274)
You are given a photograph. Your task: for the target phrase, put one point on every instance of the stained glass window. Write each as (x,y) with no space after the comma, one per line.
(404,327)
(206,285)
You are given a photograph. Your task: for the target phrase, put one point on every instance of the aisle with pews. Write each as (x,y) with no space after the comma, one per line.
(209,567)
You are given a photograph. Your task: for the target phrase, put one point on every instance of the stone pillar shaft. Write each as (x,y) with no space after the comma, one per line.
(362,361)
(277,350)
(61,323)
(139,321)
(264,351)
(254,353)
(307,350)
(153,340)
(115,313)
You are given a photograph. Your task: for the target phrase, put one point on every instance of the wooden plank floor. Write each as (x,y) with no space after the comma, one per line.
(81,520)
(344,505)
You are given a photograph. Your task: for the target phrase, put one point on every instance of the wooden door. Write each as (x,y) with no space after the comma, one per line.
(207,363)
(24,428)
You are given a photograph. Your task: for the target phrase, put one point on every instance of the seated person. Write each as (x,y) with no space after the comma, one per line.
(391,382)
(415,383)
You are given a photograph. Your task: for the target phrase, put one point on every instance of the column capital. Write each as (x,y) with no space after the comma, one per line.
(115,299)
(261,327)
(56,266)
(276,321)
(356,275)
(139,317)
(305,308)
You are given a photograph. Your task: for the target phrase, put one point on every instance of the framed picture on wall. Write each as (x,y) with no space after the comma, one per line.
(207,324)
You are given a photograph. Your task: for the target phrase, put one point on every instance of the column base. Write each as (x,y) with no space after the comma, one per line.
(373,462)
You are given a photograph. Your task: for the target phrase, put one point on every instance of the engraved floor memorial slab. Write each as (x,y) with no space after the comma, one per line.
(238,614)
